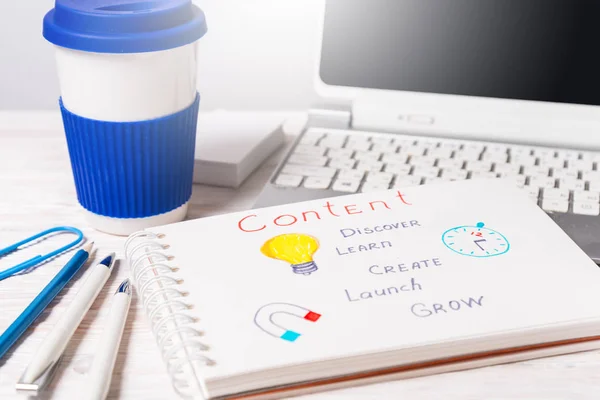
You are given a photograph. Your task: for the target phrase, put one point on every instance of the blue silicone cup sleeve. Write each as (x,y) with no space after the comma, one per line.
(132,169)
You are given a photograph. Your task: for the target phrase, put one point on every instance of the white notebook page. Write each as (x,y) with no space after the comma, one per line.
(398,283)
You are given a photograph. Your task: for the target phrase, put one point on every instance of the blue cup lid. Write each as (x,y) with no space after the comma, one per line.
(123,26)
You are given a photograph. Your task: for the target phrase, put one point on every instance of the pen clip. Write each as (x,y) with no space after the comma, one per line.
(41,381)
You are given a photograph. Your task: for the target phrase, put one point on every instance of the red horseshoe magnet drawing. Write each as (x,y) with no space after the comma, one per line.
(264,319)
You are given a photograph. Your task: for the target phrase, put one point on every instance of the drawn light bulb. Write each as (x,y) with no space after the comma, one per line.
(294,248)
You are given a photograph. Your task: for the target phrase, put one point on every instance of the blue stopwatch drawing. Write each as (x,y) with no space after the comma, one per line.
(475,241)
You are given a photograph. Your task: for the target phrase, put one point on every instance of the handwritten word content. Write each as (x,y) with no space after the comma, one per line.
(259,222)
(404,267)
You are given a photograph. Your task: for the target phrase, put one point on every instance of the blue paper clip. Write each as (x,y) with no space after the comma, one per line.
(38,259)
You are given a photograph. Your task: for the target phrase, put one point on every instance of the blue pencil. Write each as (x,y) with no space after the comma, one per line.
(39,304)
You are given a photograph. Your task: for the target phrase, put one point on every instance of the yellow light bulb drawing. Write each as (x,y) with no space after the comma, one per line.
(295,248)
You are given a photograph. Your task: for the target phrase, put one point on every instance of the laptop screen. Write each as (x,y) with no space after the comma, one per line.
(544,50)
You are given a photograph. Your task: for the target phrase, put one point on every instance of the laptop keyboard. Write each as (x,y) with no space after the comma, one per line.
(558,180)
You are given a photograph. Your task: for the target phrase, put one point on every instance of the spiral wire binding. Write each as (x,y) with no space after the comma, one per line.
(173,327)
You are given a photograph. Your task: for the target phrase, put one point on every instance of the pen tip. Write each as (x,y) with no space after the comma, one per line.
(124,287)
(108,260)
(88,247)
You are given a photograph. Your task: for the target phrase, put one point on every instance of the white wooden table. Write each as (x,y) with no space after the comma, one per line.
(37,192)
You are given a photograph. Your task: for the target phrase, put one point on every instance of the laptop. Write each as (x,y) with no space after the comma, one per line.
(423,91)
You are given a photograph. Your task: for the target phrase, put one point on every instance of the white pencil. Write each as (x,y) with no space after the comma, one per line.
(99,377)
(55,343)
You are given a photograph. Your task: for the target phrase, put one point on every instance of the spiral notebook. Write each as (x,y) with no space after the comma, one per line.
(330,293)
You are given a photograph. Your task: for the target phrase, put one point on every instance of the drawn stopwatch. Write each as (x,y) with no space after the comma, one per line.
(475,241)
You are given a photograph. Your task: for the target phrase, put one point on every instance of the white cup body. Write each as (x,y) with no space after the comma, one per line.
(127,87)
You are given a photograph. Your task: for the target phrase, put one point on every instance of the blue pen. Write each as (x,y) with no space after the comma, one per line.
(39,304)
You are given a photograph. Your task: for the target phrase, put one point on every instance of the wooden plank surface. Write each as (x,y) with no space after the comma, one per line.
(37,192)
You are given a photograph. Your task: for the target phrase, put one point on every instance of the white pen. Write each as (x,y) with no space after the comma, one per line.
(39,371)
(99,377)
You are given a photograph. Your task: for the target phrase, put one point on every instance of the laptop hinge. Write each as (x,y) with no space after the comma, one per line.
(335,115)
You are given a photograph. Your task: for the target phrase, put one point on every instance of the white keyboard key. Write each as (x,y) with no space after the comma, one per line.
(358,138)
(426,172)
(580,165)
(468,155)
(407,181)
(351,174)
(358,146)
(562,173)
(335,142)
(482,175)
(346,185)
(314,182)
(404,141)
(591,176)
(452,163)
(422,161)
(380,177)
(594,186)
(454,174)
(367,156)
(536,171)
(532,191)
(544,152)
(508,174)
(481,166)
(520,181)
(394,158)
(393,149)
(382,140)
(495,157)
(380,147)
(473,147)
(440,152)
(340,153)
(556,205)
(568,154)
(411,151)
(556,193)
(341,163)
(542,182)
(429,181)
(309,150)
(585,196)
(450,145)
(374,166)
(520,151)
(590,155)
(552,163)
(374,187)
(508,169)
(305,159)
(288,180)
(307,170)
(586,208)
(400,169)
(496,148)
(524,160)
(311,138)
(572,184)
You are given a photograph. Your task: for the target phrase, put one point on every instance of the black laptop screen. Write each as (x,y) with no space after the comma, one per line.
(545,50)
